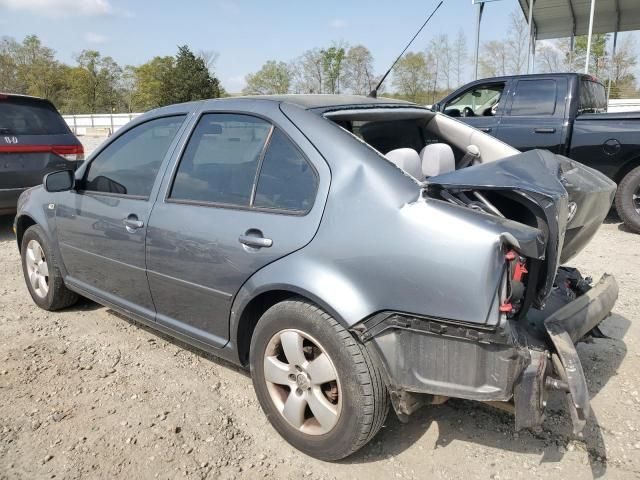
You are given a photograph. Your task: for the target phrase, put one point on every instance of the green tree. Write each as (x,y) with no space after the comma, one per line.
(188,80)
(93,84)
(8,69)
(598,55)
(31,68)
(273,78)
(149,82)
(410,77)
(332,63)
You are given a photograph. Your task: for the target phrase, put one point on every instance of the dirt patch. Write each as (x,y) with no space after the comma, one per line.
(85,393)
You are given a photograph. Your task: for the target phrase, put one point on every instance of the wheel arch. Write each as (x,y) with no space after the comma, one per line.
(626,168)
(22,223)
(246,315)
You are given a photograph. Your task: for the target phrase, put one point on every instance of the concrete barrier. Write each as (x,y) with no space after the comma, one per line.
(98,124)
(624,105)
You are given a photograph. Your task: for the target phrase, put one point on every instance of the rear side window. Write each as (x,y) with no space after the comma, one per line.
(593,98)
(28,116)
(129,165)
(220,162)
(534,97)
(287,181)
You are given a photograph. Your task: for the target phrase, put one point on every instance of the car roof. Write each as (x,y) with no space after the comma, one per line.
(536,75)
(312,101)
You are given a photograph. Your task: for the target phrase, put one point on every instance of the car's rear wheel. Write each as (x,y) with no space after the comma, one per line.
(317,385)
(628,199)
(41,272)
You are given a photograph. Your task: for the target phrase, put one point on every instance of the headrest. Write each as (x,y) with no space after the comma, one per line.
(437,158)
(408,160)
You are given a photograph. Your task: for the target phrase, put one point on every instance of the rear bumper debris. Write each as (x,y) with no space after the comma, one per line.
(427,359)
(567,326)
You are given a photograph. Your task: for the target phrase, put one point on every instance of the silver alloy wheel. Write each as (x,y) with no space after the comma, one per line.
(37,268)
(636,200)
(302,382)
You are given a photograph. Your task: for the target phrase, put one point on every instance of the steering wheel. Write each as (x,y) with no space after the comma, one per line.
(467,112)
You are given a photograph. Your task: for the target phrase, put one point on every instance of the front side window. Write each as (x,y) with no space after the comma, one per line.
(480,101)
(220,161)
(287,181)
(129,165)
(534,97)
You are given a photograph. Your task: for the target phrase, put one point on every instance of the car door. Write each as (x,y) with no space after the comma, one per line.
(479,106)
(101,226)
(243,194)
(535,114)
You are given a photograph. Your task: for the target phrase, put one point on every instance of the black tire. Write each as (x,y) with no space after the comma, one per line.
(364,397)
(626,206)
(58,295)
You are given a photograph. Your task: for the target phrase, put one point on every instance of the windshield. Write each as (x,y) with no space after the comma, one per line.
(28,116)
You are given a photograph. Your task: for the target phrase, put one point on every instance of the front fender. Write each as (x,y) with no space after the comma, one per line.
(36,205)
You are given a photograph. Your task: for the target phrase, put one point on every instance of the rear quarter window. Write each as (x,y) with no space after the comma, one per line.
(593,98)
(534,97)
(27,116)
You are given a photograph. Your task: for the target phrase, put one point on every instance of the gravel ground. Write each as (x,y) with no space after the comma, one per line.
(85,393)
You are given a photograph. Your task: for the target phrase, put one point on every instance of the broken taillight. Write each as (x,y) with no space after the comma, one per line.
(516,270)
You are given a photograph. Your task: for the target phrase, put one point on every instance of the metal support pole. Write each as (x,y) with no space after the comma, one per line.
(479,19)
(533,51)
(531,2)
(613,56)
(571,49)
(586,62)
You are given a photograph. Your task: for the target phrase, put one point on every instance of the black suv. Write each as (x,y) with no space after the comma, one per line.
(34,140)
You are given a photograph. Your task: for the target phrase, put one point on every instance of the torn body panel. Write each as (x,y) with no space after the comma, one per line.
(565,200)
(543,209)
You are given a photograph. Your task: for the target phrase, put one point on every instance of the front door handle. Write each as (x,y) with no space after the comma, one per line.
(254,238)
(485,129)
(544,130)
(131,223)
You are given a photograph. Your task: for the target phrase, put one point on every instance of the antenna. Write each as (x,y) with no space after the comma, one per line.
(374,92)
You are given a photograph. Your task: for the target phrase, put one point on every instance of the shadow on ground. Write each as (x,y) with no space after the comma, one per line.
(6,228)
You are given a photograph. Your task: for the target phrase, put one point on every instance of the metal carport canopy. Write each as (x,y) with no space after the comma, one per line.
(564,18)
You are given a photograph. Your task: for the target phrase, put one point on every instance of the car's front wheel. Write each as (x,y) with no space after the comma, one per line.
(628,199)
(41,272)
(317,385)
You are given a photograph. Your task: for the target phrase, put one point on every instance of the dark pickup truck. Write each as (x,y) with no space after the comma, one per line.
(564,113)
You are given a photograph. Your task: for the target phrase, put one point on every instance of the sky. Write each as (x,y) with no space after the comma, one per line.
(245,33)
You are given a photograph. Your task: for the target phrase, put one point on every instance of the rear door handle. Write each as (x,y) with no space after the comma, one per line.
(255,241)
(544,130)
(131,223)
(485,129)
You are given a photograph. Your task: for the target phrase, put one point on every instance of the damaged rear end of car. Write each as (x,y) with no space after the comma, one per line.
(541,209)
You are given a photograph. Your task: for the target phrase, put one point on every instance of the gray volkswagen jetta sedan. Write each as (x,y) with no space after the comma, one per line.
(354,253)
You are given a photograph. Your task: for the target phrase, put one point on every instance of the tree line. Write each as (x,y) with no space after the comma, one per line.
(98,84)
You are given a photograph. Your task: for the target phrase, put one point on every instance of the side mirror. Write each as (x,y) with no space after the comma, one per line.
(60,181)
(435,107)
